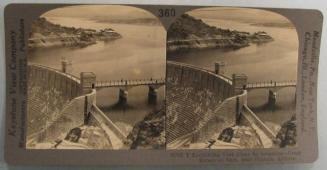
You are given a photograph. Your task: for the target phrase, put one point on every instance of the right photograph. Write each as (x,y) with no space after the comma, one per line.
(231,80)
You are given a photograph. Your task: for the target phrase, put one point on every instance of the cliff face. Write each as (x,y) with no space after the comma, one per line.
(188,32)
(45,34)
(149,133)
(287,135)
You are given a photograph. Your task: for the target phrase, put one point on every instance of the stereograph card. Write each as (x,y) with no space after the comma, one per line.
(160,85)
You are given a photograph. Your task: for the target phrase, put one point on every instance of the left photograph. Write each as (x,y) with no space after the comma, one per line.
(96,79)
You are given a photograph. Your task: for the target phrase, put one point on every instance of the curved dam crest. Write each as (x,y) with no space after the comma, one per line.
(202,103)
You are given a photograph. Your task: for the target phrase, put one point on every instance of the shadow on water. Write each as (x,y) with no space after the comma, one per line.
(266,107)
(267,112)
(171,55)
(117,107)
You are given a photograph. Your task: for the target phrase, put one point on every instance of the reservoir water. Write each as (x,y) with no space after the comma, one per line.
(274,61)
(139,54)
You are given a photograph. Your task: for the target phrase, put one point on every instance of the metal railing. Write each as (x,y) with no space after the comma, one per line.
(290,83)
(120,83)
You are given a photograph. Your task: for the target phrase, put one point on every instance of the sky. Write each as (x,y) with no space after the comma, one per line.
(98,11)
(118,12)
(239,14)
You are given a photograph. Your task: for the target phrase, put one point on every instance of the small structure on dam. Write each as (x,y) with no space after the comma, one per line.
(206,109)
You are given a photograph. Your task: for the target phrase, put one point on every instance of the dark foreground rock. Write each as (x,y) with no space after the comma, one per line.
(45,34)
(188,33)
(235,137)
(287,135)
(149,133)
(81,137)
(243,136)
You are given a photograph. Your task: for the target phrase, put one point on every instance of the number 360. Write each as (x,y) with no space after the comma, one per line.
(167,12)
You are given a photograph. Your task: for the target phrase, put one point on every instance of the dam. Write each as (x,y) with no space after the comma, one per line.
(202,103)
(59,102)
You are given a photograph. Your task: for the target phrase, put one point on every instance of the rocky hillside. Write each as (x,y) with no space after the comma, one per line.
(287,135)
(149,133)
(188,32)
(45,34)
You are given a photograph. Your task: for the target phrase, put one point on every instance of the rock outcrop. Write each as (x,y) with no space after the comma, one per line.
(82,137)
(244,136)
(235,137)
(287,135)
(188,33)
(45,34)
(150,132)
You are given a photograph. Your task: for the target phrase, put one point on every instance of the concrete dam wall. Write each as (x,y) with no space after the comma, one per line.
(55,103)
(225,115)
(199,103)
(69,117)
(59,102)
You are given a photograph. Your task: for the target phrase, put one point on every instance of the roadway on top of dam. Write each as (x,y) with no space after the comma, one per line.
(130,83)
(270,84)
(161,81)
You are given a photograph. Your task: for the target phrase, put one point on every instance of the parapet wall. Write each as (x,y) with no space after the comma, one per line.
(194,97)
(265,134)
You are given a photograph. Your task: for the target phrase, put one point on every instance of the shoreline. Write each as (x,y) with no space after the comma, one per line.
(46,34)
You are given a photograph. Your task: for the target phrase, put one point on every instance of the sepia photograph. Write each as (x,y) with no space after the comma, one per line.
(231,80)
(145,84)
(96,79)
